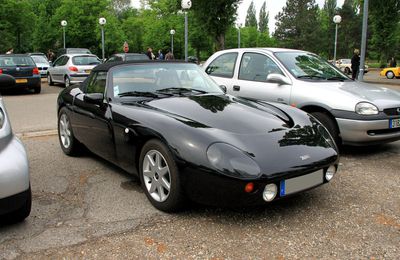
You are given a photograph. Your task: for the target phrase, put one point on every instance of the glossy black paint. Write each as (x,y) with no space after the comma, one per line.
(275,136)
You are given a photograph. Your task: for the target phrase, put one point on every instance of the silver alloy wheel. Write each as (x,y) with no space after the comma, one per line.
(65,131)
(67,83)
(48,78)
(390,74)
(156,175)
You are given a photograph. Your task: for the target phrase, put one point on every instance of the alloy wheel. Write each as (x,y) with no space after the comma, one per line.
(156,175)
(65,131)
(67,82)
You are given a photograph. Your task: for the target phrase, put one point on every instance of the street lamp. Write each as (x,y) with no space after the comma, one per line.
(64,24)
(102,22)
(186,4)
(239,25)
(172,32)
(336,19)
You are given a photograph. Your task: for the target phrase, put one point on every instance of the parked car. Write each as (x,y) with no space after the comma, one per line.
(355,113)
(72,51)
(127,57)
(169,123)
(71,68)
(391,73)
(15,191)
(345,66)
(41,63)
(23,68)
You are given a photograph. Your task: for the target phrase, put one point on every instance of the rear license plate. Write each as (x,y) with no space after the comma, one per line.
(300,183)
(394,123)
(21,81)
(88,71)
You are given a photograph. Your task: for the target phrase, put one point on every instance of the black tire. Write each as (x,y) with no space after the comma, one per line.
(22,213)
(67,81)
(329,124)
(175,198)
(390,74)
(50,80)
(71,146)
(347,70)
(37,89)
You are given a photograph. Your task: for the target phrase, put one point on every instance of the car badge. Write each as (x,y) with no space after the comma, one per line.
(304,157)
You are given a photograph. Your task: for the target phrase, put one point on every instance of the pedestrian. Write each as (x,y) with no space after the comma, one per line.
(10,51)
(150,54)
(169,55)
(392,63)
(50,55)
(355,64)
(160,55)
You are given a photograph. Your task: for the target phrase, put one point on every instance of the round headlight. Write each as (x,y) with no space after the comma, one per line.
(270,192)
(230,160)
(365,108)
(2,118)
(330,172)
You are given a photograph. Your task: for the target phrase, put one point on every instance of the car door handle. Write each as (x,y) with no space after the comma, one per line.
(236,88)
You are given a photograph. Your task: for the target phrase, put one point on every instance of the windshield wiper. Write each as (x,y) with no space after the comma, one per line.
(139,94)
(310,77)
(181,90)
(336,78)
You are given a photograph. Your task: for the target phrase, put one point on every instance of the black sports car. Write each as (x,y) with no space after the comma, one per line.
(171,125)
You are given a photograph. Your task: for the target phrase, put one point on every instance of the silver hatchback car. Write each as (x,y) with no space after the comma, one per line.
(15,191)
(355,113)
(71,68)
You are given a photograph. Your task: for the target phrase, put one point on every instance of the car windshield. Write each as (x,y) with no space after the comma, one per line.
(161,79)
(137,57)
(309,66)
(39,59)
(85,60)
(16,61)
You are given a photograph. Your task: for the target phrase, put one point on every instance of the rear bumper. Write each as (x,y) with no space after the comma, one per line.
(77,78)
(27,82)
(14,202)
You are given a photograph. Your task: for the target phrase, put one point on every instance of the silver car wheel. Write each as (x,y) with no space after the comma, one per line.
(48,78)
(67,82)
(156,175)
(65,131)
(390,74)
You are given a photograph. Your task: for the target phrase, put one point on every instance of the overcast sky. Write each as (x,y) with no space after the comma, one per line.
(273,7)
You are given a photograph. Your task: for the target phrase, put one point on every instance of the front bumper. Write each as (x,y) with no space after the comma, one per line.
(14,170)
(14,202)
(366,132)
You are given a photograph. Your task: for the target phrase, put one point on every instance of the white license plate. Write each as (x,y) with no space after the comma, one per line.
(88,71)
(21,81)
(394,123)
(300,183)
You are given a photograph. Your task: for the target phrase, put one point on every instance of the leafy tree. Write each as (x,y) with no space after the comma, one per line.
(263,20)
(249,37)
(120,6)
(251,20)
(328,28)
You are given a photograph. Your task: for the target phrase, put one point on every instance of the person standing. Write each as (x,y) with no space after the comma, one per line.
(355,64)
(150,54)
(392,63)
(169,55)
(160,55)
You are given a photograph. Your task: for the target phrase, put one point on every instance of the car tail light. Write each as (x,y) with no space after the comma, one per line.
(73,68)
(35,71)
(1,71)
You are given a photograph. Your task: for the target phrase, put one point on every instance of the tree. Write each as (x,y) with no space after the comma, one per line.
(251,20)
(216,17)
(328,28)
(263,20)
(298,27)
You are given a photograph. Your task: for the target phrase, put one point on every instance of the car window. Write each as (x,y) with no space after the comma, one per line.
(114,58)
(256,67)
(97,83)
(136,57)
(61,61)
(16,61)
(39,59)
(223,66)
(85,60)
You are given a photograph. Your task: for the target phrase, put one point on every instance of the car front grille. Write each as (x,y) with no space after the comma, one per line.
(42,68)
(392,111)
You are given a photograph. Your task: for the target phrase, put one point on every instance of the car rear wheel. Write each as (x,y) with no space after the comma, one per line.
(67,82)
(390,74)
(50,80)
(68,143)
(329,124)
(347,70)
(160,177)
(37,89)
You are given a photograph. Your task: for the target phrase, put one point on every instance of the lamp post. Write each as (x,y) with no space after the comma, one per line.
(64,24)
(102,22)
(336,19)
(186,4)
(172,32)
(239,25)
(363,41)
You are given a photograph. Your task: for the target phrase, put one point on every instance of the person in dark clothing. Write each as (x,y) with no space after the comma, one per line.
(392,63)
(355,64)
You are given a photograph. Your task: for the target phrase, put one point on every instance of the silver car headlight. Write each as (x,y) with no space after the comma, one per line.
(2,118)
(232,161)
(365,108)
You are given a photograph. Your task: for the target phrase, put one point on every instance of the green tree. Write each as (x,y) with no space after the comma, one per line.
(251,20)
(263,20)
(328,28)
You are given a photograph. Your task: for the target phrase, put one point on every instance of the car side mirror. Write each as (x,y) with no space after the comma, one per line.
(278,79)
(223,87)
(6,81)
(94,98)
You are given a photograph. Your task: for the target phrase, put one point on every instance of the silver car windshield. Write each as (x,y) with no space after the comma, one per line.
(85,60)
(309,66)
(39,59)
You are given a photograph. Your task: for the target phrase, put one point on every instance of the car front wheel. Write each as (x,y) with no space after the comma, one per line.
(67,82)
(68,143)
(50,80)
(160,177)
(390,75)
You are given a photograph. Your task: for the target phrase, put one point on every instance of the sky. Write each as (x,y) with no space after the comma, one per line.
(273,7)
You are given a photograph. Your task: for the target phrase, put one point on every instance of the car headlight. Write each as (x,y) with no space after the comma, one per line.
(2,118)
(365,108)
(232,161)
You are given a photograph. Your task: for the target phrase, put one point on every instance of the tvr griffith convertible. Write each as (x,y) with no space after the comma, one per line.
(171,125)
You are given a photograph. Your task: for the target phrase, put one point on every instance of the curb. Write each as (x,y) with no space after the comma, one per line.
(37,133)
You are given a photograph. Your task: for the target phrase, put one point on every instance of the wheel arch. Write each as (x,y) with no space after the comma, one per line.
(314,108)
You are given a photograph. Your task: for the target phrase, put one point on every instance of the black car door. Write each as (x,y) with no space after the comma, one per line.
(92,117)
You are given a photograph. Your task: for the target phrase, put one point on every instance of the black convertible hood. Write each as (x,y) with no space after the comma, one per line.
(225,113)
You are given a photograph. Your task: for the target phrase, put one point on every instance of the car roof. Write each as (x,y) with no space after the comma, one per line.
(78,54)
(108,65)
(129,54)
(270,50)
